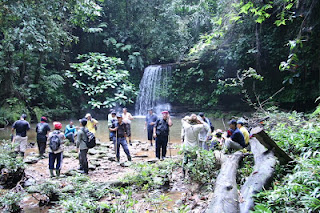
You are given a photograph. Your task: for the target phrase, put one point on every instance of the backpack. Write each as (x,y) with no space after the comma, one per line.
(91,139)
(55,141)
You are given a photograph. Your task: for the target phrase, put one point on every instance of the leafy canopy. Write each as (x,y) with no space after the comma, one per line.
(102,79)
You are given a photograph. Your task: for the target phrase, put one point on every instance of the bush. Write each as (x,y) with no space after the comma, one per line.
(297,191)
(10,201)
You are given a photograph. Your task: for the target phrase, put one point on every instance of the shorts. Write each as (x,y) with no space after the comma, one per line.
(150,133)
(128,126)
(21,143)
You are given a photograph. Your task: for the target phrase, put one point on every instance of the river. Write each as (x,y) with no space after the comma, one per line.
(137,130)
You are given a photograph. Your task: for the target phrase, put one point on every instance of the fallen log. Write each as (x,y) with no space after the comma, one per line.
(264,166)
(225,196)
(267,142)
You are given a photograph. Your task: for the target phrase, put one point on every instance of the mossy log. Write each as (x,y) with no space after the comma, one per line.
(267,142)
(264,167)
(225,196)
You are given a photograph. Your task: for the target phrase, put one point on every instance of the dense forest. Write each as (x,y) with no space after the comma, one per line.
(63,59)
(221,51)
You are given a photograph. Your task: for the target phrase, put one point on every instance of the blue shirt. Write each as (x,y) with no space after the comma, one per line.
(150,119)
(70,129)
(238,137)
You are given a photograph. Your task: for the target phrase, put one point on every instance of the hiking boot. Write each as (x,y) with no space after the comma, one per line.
(118,160)
(58,172)
(130,143)
(129,158)
(51,173)
(84,172)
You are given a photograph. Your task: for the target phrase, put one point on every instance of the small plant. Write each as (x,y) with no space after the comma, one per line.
(10,201)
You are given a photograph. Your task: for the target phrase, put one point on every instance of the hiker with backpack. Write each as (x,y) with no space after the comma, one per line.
(55,141)
(42,131)
(161,134)
(120,129)
(85,141)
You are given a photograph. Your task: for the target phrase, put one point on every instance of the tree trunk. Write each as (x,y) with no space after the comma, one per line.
(264,163)
(225,196)
(267,142)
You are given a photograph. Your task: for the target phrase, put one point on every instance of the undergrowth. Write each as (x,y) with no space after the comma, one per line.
(298,190)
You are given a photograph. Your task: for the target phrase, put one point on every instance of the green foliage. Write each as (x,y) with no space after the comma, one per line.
(296,191)
(202,165)
(102,80)
(10,201)
(151,176)
(8,159)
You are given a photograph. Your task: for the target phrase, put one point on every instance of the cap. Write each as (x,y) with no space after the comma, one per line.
(43,118)
(164,112)
(57,125)
(150,109)
(240,122)
(24,116)
(113,112)
(88,115)
(119,116)
(83,121)
(219,131)
(232,122)
(201,114)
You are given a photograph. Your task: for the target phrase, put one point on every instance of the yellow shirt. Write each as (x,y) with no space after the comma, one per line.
(90,125)
(245,134)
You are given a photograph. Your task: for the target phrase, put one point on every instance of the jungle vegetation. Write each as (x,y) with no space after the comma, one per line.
(221,51)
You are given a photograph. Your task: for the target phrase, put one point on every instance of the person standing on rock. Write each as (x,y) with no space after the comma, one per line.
(91,123)
(191,128)
(112,118)
(82,148)
(42,131)
(55,141)
(120,129)
(20,139)
(70,132)
(161,134)
(151,119)
(127,118)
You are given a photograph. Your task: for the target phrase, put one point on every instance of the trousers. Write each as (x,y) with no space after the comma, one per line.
(121,141)
(83,160)
(161,145)
(58,157)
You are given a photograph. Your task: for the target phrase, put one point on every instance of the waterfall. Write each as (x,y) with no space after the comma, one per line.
(154,90)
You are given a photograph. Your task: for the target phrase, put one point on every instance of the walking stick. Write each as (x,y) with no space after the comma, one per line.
(169,146)
(116,144)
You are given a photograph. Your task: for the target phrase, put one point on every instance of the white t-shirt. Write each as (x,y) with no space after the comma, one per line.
(126,118)
(191,133)
(205,132)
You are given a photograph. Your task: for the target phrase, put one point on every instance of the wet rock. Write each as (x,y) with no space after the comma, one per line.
(32,154)
(126,164)
(33,189)
(71,172)
(95,163)
(29,182)
(154,160)
(31,160)
(67,189)
(92,167)
(144,149)
(136,141)
(92,152)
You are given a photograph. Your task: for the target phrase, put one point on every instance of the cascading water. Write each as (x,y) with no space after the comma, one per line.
(154,90)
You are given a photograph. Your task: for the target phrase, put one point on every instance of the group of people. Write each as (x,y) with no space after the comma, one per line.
(55,140)
(197,131)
